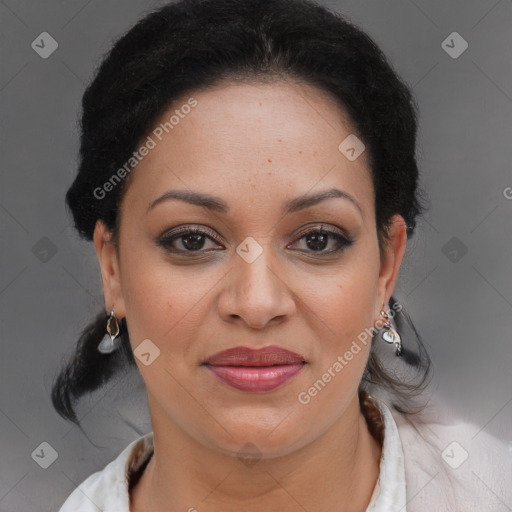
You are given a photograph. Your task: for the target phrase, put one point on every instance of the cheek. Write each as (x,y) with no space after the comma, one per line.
(164,303)
(342,307)
(344,302)
(344,316)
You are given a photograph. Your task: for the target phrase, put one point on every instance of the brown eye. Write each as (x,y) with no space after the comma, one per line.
(317,240)
(188,240)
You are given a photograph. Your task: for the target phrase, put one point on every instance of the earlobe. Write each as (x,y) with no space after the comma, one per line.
(394,251)
(107,254)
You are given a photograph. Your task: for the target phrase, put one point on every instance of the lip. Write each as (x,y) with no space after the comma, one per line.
(253,370)
(245,356)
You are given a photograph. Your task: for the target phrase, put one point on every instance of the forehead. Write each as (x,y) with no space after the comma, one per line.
(257,140)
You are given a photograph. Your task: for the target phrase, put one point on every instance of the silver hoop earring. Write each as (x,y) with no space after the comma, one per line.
(111,340)
(390,335)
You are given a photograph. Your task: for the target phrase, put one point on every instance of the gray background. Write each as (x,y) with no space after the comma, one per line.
(461,302)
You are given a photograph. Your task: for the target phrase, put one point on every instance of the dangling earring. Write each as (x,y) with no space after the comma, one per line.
(111,340)
(390,335)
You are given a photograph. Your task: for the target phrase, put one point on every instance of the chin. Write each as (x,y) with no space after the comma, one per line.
(271,438)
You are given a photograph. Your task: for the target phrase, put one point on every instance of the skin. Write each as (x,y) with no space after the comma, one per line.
(255,146)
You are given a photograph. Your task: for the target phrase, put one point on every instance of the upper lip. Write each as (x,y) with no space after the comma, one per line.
(244,356)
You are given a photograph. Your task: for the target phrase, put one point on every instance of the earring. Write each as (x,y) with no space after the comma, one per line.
(111,340)
(390,335)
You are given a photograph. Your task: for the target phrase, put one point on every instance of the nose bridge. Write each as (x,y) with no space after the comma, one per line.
(257,292)
(256,272)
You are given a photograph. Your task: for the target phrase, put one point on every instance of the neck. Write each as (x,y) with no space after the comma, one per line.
(337,471)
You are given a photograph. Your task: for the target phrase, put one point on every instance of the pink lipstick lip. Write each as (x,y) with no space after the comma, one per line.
(255,370)
(244,356)
(256,378)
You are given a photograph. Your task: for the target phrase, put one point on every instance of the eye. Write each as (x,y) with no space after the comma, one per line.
(188,239)
(318,239)
(193,240)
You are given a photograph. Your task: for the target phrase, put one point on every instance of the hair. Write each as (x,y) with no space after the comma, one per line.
(177,50)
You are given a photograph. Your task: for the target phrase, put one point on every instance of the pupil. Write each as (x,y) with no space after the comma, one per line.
(319,241)
(197,241)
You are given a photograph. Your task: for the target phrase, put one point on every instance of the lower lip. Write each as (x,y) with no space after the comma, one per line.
(256,378)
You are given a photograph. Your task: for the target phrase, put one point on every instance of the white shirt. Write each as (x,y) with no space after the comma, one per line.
(446,468)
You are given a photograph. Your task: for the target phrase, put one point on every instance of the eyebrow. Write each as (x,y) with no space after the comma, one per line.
(219,205)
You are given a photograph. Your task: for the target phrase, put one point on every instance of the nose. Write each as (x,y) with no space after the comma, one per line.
(256,293)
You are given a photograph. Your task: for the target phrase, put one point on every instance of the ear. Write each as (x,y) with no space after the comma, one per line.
(110,271)
(391,260)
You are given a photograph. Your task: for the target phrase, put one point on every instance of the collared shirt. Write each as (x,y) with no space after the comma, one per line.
(108,490)
(446,467)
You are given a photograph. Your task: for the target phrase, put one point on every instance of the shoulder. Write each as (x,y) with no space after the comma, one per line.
(107,490)
(451,464)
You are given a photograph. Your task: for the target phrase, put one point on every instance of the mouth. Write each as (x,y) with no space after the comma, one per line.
(252,370)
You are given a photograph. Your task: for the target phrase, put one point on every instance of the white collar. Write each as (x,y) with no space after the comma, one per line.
(389,494)
(107,489)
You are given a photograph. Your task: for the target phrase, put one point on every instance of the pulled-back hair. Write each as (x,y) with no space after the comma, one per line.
(190,45)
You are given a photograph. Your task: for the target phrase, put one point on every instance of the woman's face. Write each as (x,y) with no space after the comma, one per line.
(259,273)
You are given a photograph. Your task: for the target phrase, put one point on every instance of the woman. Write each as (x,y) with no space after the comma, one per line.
(248,178)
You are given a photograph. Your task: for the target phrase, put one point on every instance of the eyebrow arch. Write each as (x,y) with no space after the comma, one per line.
(218,205)
(308,200)
(196,198)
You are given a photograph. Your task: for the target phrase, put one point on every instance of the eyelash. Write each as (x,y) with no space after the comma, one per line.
(166,240)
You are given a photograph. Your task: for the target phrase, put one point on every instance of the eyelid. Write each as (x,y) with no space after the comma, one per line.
(320,227)
(343,239)
(187,228)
